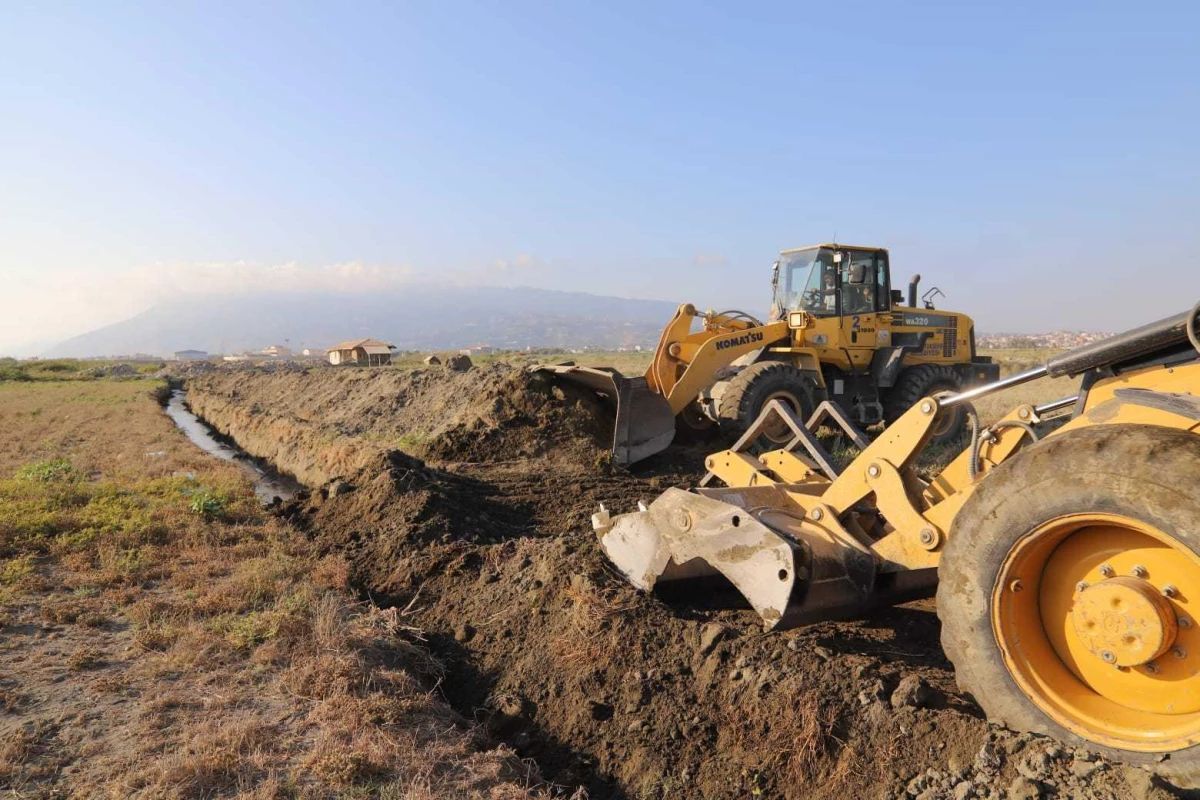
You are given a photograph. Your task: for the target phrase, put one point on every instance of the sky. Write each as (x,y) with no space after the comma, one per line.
(1039,162)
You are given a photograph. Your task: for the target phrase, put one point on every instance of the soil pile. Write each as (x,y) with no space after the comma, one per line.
(602,687)
(322,424)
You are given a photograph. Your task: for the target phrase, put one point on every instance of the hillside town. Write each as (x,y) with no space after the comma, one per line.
(1058,340)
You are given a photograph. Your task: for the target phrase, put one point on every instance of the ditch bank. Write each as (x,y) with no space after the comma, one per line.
(475,514)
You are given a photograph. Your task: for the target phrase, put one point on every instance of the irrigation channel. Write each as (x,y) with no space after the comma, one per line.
(269,483)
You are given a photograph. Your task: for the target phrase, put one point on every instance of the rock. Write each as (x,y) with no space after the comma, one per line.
(917,785)
(464,633)
(873,692)
(636,726)
(432,360)
(913,692)
(989,760)
(710,636)
(1023,789)
(1035,766)
(1084,769)
(928,794)
(459,363)
(742,663)
(339,488)
(964,790)
(823,653)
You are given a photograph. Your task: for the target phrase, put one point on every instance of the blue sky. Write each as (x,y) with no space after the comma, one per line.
(1039,162)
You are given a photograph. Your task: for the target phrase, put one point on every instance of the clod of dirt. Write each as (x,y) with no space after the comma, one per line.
(459,363)
(432,361)
(913,692)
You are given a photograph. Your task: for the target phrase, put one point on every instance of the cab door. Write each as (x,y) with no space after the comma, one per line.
(864,300)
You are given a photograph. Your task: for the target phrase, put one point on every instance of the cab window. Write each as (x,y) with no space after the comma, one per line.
(860,298)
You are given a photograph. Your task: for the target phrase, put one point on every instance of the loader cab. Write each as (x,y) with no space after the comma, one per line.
(831,280)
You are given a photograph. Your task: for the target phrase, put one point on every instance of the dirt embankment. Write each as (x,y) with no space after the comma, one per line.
(625,695)
(325,424)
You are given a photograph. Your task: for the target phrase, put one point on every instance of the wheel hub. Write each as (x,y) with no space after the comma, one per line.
(1124,621)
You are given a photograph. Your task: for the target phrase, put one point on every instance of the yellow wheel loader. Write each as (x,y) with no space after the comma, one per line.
(837,332)
(1066,563)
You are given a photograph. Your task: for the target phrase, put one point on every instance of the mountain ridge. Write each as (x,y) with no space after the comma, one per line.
(418,318)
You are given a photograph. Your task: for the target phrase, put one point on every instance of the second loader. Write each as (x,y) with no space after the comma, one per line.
(837,331)
(1066,562)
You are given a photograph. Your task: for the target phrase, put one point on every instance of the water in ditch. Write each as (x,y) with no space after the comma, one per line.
(268,482)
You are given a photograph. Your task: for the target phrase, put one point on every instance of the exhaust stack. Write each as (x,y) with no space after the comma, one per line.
(912,290)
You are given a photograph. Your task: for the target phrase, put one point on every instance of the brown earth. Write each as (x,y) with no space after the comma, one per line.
(162,636)
(488,541)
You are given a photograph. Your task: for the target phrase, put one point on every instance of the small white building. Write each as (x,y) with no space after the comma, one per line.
(190,355)
(364,352)
(277,351)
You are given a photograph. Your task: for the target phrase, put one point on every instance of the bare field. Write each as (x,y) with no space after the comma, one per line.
(162,636)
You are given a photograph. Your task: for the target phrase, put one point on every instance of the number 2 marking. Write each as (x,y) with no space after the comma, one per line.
(854,322)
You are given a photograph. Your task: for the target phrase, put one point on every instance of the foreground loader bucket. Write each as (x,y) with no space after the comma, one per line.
(645,424)
(790,572)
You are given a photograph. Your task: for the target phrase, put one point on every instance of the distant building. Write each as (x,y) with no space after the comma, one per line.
(190,355)
(277,351)
(312,352)
(364,352)
(477,350)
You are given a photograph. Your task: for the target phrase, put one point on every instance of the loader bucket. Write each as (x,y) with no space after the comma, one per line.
(644,425)
(791,572)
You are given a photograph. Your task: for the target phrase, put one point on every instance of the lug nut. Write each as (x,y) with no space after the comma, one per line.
(1139,571)
(817,513)
(1184,622)
(1179,651)
(1079,587)
(1107,571)
(926,536)
(1170,591)
(1016,586)
(1108,656)
(1152,668)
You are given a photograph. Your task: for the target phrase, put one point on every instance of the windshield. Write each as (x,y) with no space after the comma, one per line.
(808,282)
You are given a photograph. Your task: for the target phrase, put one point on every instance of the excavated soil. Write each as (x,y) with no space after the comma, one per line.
(476,514)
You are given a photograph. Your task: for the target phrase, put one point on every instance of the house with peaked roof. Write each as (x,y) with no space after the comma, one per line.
(364,352)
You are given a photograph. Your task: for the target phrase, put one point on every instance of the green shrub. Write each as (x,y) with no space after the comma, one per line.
(45,471)
(210,505)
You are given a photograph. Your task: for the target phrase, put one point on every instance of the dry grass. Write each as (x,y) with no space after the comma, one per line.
(193,654)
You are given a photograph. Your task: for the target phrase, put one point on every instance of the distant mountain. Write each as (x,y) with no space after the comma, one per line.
(419,318)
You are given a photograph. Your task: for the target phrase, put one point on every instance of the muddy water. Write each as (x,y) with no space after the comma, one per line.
(268,483)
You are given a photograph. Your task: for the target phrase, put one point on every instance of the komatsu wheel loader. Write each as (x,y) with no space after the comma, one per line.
(1066,563)
(837,331)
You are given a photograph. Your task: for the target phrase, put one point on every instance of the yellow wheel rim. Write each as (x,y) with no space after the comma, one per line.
(1093,614)
(777,430)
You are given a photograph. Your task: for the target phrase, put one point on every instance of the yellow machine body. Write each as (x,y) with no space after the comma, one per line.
(850,338)
(1085,597)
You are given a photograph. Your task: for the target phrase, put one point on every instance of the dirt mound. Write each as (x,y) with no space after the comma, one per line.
(547,648)
(635,696)
(322,424)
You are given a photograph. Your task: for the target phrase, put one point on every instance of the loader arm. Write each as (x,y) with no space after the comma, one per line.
(686,363)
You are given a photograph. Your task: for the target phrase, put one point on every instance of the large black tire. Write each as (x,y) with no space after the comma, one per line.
(919,382)
(751,389)
(1143,473)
